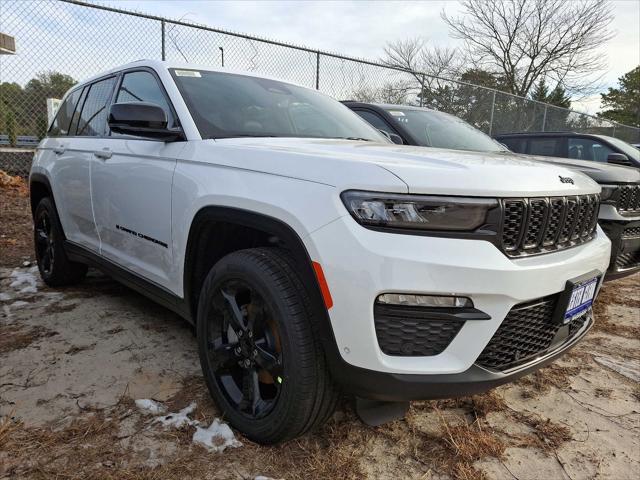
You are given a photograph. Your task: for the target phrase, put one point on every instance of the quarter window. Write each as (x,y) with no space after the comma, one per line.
(60,125)
(93,118)
(143,87)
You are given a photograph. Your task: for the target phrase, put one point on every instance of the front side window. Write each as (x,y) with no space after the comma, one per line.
(93,118)
(376,120)
(225,105)
(441,130)
(60,125)
(588,149)
(143,87)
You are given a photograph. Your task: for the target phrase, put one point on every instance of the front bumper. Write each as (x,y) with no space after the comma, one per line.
(360,264)
(625,247)
(391,387)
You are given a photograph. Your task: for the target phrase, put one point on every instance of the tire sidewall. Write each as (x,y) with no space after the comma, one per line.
(231,268)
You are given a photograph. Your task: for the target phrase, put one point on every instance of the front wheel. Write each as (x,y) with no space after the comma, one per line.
(259,357)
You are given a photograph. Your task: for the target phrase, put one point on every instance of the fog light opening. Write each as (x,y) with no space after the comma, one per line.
(444,301)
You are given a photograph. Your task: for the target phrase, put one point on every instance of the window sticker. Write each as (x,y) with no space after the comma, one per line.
(396,113)
(187,73)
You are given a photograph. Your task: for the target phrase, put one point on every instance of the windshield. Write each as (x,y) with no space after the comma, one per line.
(225,105)
(441,130)
(629,150)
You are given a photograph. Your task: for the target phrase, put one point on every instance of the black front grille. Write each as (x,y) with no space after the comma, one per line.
(526,332)
(631,232)
(538,225)
(409,331)
(625,261)
(629,199)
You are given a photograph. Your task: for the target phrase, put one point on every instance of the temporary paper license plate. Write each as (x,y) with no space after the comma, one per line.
(581,299)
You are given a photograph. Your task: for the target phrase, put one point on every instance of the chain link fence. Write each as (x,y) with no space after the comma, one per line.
(59,42)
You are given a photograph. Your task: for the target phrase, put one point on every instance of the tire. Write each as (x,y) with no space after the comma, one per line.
(55,267)
(295,391)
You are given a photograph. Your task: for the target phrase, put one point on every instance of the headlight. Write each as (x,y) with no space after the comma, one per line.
(608,194)
(418,212)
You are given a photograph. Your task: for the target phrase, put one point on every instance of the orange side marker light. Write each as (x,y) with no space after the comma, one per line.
(324,288)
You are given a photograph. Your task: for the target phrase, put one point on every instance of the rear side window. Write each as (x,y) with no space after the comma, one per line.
(60,125)
(143,87)
(93,117)
(544,146)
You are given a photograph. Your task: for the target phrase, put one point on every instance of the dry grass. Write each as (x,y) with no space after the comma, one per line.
(17,337)
(615,294)
(15,221)
(541,381)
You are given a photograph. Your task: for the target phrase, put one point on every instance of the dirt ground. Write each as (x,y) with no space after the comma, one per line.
(73,362)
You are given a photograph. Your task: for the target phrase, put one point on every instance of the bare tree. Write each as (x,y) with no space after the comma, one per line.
(525,40)
(415,56)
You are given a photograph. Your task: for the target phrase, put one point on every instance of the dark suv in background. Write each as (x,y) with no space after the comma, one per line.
(619,214)
(577,146)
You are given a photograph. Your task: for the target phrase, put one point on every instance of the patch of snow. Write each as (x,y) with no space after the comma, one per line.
(26,264)
(216,438)
(150,406)
(4,297)
(25,281)
(179,419)
(628,369)
(18,304)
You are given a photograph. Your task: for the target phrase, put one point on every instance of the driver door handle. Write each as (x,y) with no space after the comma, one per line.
(103,154)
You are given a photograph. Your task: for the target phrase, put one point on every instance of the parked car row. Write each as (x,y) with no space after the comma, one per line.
(28,141)
(620,200)
(311,254)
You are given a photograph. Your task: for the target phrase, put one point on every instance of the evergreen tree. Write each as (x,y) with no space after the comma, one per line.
(623,103)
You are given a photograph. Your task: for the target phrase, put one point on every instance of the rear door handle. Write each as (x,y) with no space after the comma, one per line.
(59,150)
(103,154)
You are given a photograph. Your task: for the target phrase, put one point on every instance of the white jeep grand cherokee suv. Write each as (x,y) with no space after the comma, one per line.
(310,253)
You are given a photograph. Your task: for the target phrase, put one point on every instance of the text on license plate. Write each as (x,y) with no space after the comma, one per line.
(581,299)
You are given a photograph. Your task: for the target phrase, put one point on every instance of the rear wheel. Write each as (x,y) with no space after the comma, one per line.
(55,268)
(261,362)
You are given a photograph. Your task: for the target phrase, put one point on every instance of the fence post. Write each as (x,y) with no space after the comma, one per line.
(613,134)
(162,29)
(544,118)
(422,91)
(318,70)
(493,106)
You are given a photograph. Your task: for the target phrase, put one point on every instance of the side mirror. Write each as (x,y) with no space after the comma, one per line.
(618,159)
(142,119)
(395,138)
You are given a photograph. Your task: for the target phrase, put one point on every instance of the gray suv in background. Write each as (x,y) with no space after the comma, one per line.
(576,146)
(620,208)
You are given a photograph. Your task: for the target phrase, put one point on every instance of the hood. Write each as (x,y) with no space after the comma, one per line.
(349,164)
(602,173)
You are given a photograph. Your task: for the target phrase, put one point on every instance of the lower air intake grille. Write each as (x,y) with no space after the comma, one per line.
(408,331)
(526,332)
(628,260)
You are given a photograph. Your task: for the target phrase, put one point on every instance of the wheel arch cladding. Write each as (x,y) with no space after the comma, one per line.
(217,231)
(39,188)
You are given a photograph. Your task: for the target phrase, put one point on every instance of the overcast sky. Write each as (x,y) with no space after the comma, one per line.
(361,29)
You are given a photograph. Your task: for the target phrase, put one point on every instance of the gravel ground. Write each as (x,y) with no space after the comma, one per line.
(74,361)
